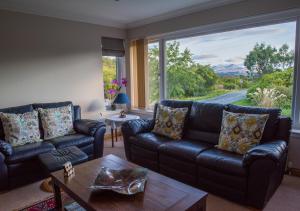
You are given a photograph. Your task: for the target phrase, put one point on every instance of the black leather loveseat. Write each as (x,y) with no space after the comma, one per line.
(250,179)
(20,165)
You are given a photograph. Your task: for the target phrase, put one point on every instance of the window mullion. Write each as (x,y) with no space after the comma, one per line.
(296,91)
(162,83)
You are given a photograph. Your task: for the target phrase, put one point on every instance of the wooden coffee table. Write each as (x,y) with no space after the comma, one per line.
(161,192)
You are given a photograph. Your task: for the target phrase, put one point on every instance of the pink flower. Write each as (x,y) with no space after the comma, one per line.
(112,91)
(115,82)
(124,82)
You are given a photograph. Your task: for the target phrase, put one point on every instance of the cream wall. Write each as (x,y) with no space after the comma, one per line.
(49,60)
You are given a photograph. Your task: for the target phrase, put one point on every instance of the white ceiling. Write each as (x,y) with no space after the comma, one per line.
(121,13)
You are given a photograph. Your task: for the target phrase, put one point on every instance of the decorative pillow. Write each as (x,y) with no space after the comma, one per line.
(170,121)
(241,132)
(20,129)
(56,121)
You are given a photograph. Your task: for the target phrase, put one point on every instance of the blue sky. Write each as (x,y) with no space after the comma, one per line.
(233,46)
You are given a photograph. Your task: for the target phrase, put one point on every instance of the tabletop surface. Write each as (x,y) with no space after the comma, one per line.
(116,118)
(161,192)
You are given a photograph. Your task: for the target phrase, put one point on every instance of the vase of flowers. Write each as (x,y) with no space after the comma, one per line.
(115,87)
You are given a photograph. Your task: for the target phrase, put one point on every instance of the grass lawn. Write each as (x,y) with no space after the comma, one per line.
(212,94)
(243,102)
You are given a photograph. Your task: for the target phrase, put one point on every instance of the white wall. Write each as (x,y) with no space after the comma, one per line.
(49,60)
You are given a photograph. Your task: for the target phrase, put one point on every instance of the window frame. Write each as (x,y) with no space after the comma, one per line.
(120,68)
(257,21)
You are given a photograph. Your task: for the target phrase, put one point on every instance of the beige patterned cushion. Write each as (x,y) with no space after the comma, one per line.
(170,121)
(56,121)
(20,129)
(241,132)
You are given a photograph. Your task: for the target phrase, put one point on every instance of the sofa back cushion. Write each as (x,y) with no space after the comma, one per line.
(206,117)
(272,123)
(202,136)
(14,110)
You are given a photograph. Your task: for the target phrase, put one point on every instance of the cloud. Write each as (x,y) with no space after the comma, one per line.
(236,60)
(258,31)
(204,56)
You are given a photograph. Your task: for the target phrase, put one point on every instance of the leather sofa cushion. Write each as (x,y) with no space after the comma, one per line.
(149,141)
(208,137)
(222,161)
(272,123)
(206,117)
(28,151)
(14,110)
(78,140)
(184,149)
(55,160)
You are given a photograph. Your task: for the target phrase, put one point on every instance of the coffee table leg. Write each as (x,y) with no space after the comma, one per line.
(116,130)
(112,137)
(57,196)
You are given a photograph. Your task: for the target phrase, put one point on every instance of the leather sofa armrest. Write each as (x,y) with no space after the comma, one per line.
(273,150)
(87,127)
(6,148)
(134,127)
(3,173)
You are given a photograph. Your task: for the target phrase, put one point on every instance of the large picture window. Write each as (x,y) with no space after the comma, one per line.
(251,67)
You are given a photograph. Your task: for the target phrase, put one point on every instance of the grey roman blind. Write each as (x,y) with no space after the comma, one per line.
(112,47)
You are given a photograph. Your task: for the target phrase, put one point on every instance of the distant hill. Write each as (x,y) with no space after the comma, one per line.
(230,70)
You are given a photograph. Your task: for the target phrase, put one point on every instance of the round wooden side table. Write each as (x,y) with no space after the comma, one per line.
(115,121)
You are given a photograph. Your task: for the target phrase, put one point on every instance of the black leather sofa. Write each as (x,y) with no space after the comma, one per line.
(20,165)
(250,179)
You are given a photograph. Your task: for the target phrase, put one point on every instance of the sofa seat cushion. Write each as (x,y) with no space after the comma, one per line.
(149,141)
(28,151)
(222,161)
(78,140)
(184,149)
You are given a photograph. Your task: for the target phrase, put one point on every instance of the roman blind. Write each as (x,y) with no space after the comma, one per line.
(112,47)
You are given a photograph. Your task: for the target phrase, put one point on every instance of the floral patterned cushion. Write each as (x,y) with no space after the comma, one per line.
(170,121)
(240,132)
(56,121)
(20,129)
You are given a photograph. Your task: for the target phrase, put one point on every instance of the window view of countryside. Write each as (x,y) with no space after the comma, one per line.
(109,74)
(251,67)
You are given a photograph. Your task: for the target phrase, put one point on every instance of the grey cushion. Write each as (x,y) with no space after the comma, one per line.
(14,110)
